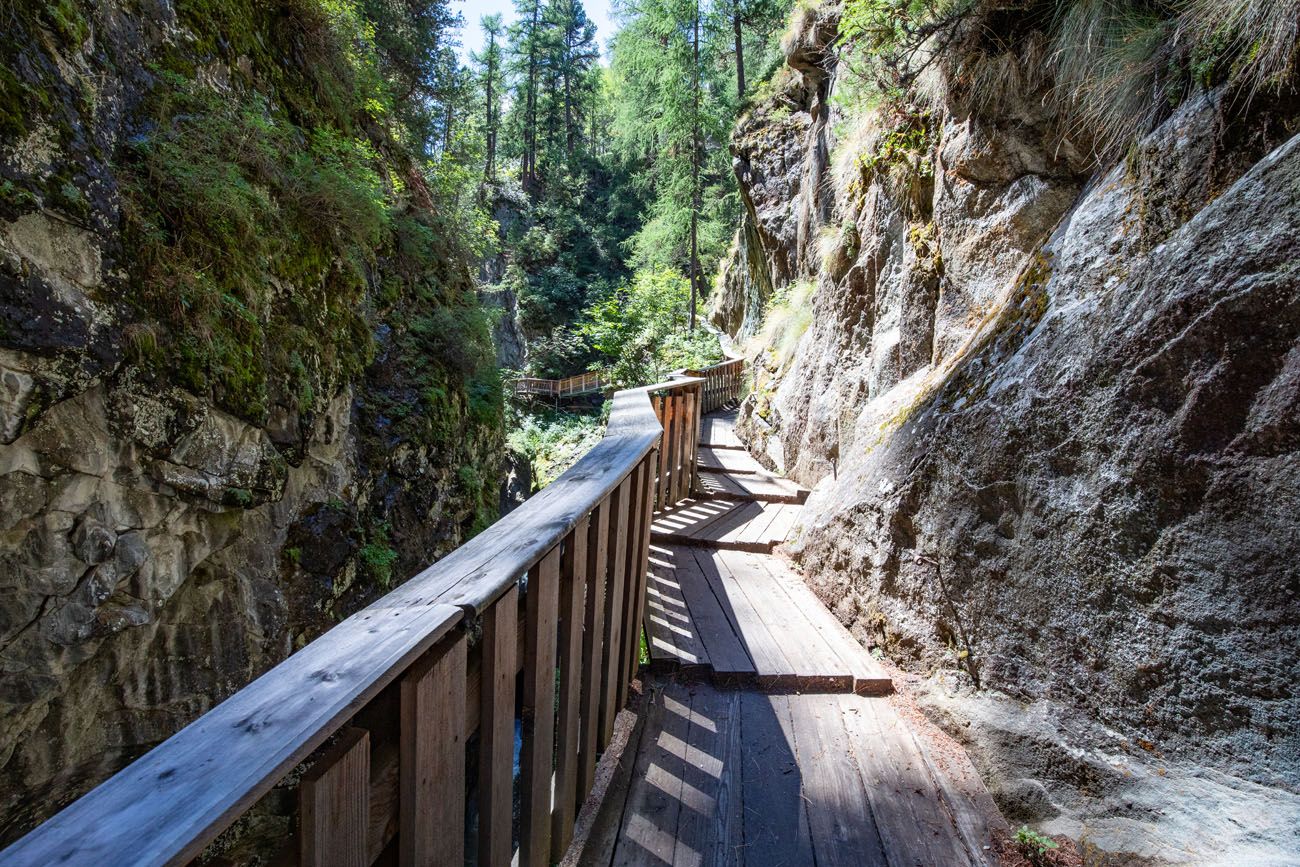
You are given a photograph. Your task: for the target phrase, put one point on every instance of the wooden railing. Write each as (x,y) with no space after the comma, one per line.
(583,383)
(382,707)
(721,383)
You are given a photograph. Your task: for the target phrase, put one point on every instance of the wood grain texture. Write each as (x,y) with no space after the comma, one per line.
(593,644)
(334,804)
(499,666)
(537,716)
(616,557)
(573,572)
(432,824)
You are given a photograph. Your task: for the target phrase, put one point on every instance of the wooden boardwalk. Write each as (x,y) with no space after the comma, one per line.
(764,737)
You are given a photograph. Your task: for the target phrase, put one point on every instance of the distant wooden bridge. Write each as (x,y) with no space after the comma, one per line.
(756,737)
(572,386)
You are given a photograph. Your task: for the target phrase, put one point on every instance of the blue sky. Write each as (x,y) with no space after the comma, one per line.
(599,11)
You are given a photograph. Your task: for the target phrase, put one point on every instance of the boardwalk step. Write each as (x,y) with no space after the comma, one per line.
(764,487)
(728,461)
(734,525)
(745,618)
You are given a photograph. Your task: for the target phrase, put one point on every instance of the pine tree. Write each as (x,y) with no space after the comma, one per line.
(489,62)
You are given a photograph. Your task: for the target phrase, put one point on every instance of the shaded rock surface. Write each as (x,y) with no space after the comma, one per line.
(157,552)
(1051,416)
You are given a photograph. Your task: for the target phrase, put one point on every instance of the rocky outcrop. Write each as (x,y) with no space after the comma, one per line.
(1050,414)
(162,543)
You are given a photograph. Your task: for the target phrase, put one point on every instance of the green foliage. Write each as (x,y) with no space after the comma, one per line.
(1117,66)
(377,556)
(552,440)
(1034,846)
(640,329)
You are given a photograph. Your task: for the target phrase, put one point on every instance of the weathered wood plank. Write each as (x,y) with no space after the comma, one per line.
(844,833)
(537,716)
(432,735)
(674,637)
(723,649)
(869,678)
(813,665)
(728,461)
(499,667)
(334,804)
(573,573)
(619,504)
(631,641)
(764,487)
(915,826)
(772,669)
(593,644)
(642,563)
(775,823)
(709,825)
(649,830)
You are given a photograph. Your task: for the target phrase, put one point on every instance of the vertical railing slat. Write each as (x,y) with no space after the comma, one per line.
(334,804)
(636,504)
(431,827)
(642,560)
(573,572)
(498,671)
(616,552)
(593,643)
(538,714)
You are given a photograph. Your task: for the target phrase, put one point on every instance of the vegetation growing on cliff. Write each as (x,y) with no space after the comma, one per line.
(1115,69)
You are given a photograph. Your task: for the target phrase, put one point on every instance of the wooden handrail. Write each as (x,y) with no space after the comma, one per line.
(449,639)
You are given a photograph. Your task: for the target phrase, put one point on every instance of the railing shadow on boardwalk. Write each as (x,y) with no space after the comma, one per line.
(532,624)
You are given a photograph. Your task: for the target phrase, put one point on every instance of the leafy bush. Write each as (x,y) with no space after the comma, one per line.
(640,328)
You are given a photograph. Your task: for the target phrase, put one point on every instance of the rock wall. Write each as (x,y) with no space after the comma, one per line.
(1051,414)
(158,547)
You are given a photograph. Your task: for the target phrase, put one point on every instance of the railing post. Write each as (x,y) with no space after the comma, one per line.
(431,827)
(538,716)
(499,666)
(593,643)
(334,804)
(573,573)
(616,553)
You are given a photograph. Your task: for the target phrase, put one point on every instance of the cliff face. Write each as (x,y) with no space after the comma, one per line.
(244,383)
(1052,417)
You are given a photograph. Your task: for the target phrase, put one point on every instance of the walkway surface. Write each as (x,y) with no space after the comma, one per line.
(764,737)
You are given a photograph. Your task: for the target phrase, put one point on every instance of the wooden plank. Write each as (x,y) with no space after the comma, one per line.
(839,815)
(775,822)
(670,451)
(721,486)
(772,670)
(869,678)
(499,666)
(334,804)
(661,478)
(613,644)
(598,849)
(914,823)
(573,575)
(643,563)
(722,647)
(593,644)
(813,664)
(432,736)
(631,641)
(674,639)
(537,716)
(649,830)
(728,461)
(710,824)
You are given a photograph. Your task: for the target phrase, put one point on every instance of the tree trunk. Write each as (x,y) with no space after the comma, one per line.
(740,51)
(530,120)
(695,175)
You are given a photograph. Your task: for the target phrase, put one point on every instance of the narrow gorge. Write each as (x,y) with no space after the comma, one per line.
(950,347)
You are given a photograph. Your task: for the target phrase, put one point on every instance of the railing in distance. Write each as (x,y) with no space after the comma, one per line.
(384,703)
